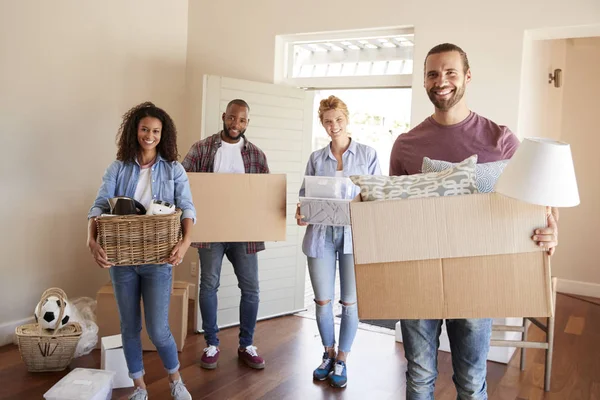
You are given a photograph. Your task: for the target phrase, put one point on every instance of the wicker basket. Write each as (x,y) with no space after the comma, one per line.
(139,239)
(43,350)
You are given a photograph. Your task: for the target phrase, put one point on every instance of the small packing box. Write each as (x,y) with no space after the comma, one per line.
(83,384)
(113,359)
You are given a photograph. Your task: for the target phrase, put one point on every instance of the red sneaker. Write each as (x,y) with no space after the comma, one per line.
(210,357)
(251,358)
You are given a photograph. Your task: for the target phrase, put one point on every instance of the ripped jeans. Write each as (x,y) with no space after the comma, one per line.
(322,276)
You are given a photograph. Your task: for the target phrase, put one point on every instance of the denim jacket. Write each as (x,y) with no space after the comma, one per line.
(169,183)
(358,159)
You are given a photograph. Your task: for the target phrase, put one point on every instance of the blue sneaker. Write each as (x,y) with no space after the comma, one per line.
(338,378)
(323,371)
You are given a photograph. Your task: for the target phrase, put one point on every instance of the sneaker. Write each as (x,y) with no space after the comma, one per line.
(139,394)
(251,357)
(210,357)
(338,378)
(179,391)
(323,370)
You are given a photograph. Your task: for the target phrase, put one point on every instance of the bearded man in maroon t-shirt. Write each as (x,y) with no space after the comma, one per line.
(453,133)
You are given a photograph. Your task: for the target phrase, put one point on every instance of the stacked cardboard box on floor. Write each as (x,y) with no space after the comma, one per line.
(450,257)
(107,315)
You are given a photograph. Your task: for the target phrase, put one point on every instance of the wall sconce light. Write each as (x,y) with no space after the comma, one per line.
(556,77)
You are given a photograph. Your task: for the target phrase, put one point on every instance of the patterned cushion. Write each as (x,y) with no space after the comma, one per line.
(460,179)
(487,173)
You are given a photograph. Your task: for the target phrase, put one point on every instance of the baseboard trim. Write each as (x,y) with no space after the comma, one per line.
(7,330)
(578,288)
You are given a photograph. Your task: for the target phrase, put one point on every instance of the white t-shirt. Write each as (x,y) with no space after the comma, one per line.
(228,159)
(143,190)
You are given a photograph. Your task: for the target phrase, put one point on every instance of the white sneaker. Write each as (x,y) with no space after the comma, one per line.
(179,391)
(139,394)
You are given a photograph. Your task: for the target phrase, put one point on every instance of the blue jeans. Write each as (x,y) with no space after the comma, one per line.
(469,346)
(245,267)
(322,277)
(152,284)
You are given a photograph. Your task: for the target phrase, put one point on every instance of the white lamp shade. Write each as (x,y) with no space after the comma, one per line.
(540,172)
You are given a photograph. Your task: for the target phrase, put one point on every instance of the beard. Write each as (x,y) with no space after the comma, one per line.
(228,134)
(446,104)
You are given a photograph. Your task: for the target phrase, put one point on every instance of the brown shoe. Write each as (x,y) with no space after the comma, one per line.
(251,358)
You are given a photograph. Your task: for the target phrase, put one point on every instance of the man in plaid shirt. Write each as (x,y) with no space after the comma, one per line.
(228,151)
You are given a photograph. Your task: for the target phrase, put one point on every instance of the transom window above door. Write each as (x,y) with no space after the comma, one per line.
(372,58)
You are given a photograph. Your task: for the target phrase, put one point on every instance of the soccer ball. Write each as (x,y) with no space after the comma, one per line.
(49,312)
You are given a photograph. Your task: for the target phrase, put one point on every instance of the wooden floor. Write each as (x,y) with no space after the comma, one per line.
(291,348)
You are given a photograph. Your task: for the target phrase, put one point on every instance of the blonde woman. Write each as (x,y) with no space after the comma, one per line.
(324,245)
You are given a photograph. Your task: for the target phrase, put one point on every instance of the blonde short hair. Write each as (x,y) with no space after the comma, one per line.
(333,103)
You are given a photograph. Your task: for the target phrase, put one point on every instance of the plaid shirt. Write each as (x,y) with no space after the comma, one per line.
(201,158)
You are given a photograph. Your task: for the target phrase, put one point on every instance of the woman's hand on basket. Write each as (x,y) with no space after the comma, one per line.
(179,252)
(99,254)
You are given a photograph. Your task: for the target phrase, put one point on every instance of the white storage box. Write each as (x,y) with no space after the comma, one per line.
(329,187)
(83,384)
(327,200)
(113,359)
(332,212)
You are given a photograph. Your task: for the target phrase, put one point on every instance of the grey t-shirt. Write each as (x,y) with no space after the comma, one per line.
(453,143)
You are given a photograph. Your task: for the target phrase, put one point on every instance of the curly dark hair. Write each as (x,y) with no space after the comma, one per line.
(127,136)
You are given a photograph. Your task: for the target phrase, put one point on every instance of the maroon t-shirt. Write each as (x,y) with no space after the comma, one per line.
(453,143)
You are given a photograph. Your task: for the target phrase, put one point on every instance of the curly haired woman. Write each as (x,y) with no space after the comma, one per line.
(146,169)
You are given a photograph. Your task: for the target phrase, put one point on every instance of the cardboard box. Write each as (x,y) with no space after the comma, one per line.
(450,257)
(113,359)
(107,315)
(239,207)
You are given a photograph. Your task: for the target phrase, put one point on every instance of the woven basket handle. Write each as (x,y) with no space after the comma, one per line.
(62,296)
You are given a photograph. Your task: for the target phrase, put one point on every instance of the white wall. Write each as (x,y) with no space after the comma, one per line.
(576,257)
(68,70)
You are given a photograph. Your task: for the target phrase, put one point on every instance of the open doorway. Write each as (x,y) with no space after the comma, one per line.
(377,117)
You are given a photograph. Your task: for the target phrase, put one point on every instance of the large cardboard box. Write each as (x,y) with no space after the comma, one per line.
(239,207)
(107,315)
(450,257)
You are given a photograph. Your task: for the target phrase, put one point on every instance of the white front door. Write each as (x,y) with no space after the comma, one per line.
(280,125)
